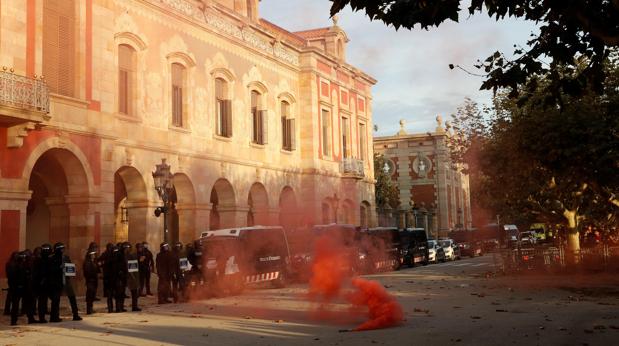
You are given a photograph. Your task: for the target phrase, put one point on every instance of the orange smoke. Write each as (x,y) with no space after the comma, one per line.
(384,311)
(328,269)
(331,272)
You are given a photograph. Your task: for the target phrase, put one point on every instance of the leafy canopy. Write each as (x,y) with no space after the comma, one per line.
(571,31)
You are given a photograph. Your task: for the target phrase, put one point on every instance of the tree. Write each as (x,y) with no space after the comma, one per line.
(557,164)
(571,31)
(386,191)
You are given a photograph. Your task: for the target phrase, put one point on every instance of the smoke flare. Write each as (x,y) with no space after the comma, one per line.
(330,274)
(384,311)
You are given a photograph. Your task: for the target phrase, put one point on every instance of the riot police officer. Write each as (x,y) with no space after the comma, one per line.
(56,280)
(146,265)
(178,275)
(120,270)
(68,276)
(133,275)
(19,276)
(109,274)
(194,256)
(41,275)
(163,270)
(10,263)
(91,275)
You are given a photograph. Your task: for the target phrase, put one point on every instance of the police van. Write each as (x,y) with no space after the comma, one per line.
(236,257)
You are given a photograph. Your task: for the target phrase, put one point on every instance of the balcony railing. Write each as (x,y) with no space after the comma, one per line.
(24,93)
(353,167)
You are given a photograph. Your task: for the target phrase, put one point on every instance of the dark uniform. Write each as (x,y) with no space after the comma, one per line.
(56,278)
(163,271)
(91,275)
(19,275)
(194,256)
(178,276)
(109,274)
(146,264)
(120,283)
(7,267)
(133,277)
(42,285)
(67,281)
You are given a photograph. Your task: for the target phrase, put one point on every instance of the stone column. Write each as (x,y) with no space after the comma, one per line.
(232,216)
(81,210)
(186,222)
(203,219)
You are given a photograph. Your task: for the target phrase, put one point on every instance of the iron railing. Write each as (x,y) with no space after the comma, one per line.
(353,167)
(600,258)
(24,92)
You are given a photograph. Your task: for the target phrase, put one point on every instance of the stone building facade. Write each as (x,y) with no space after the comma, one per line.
(434,194)
(259,125)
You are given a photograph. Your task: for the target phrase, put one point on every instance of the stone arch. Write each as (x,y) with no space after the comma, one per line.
(365,214)
(130,205)
(327,211)
(130,39)
(258,203)
(347,212)
(75,158)
(289,215)
(182,223)
(223,205)
(59,207)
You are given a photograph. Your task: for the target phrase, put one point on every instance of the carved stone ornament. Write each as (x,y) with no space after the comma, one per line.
(221,25)
(422,165)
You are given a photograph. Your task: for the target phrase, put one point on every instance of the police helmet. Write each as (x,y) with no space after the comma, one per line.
(46,249)
(178,245)
(58,246)
(164,246)
(126,245)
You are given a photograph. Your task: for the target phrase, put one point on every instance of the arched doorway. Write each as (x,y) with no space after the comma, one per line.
(258,203)
(130,207)
(222,205)
(347,212)
(288,213)
(55,211)
(327,211)
(364,214)
(182,214)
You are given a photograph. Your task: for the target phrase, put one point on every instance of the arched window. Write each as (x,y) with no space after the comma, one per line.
(126,79)
(178,82)
(223,108)
(259,119)
(59,46)
(288,127)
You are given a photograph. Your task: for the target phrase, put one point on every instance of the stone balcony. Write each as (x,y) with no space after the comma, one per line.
(352,168)
(24,103)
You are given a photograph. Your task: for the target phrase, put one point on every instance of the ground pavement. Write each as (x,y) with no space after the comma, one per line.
(453,303)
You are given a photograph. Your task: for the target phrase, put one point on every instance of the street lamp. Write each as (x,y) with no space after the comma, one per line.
(164,186)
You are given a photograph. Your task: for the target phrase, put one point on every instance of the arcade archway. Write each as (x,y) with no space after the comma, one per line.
(222,205)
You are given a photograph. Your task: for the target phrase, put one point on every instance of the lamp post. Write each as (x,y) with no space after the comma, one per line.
(164,186)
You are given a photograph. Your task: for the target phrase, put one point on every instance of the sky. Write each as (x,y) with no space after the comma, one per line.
(411,67)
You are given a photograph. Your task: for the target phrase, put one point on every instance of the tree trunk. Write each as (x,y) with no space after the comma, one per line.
(573,239)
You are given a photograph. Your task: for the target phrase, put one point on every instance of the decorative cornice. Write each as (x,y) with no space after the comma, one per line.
(221,25)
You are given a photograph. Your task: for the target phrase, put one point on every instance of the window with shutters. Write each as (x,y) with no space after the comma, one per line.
(126,79)
(259,119)
(288,127)
(223,109)
(345,137)
(178,77)
(59,46)
(362,141)
(326,132)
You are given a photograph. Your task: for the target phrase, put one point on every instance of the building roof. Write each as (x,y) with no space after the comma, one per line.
(290,36)
(312,33)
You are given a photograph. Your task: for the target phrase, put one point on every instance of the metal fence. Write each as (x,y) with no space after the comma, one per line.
(557,259)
